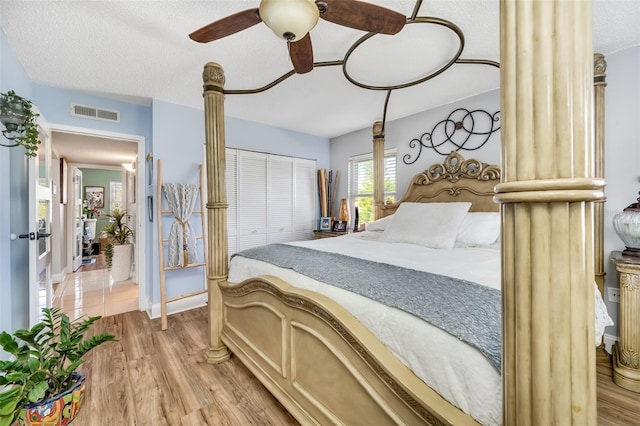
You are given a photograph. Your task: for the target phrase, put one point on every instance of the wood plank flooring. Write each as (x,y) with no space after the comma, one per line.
(154,377)
(616,406)
(151,377)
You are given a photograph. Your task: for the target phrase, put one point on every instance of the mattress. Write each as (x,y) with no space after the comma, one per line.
(458,372)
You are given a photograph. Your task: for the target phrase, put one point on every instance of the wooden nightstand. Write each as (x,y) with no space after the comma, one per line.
(626,358)
(327,234)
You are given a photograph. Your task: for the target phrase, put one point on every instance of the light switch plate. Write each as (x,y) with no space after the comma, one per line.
(613,294)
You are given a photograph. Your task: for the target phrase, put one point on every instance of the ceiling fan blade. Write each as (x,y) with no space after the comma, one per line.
(362,16)
(301,53)
(226,26)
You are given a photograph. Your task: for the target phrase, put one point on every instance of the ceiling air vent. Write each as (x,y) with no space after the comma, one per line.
(95,113)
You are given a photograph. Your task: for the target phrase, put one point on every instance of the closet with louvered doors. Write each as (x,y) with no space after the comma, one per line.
(272,199)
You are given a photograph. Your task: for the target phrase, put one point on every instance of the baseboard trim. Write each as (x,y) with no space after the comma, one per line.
(609,340)
(60,277)
(188,303)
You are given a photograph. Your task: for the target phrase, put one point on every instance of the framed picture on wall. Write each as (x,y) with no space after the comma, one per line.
(94,195)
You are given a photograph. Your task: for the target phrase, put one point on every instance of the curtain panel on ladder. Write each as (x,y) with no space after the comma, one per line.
(181,199)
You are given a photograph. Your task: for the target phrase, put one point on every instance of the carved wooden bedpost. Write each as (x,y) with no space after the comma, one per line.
(378,169)
(547,194)
(217,267)
(599,81)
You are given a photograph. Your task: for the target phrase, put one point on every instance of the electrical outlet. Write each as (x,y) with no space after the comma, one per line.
(614,294)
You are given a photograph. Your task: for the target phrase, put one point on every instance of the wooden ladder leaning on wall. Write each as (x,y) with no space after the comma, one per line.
(164,301)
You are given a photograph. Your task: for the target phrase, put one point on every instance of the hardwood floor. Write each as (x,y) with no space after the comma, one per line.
(154,377)
(616,406)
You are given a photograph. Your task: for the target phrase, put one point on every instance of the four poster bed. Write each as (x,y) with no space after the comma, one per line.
(316,356)
(326,367)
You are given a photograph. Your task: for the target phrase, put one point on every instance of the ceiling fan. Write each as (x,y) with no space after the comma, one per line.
(292,20)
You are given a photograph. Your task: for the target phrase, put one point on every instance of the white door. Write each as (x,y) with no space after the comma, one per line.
(280,199)
(252,199)
(40,286)
(78,222)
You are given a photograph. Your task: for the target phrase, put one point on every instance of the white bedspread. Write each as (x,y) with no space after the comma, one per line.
(458,372)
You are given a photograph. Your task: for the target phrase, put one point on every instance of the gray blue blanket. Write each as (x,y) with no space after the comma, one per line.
(471,312)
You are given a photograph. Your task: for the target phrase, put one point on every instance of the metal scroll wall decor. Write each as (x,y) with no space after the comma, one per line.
(461,130)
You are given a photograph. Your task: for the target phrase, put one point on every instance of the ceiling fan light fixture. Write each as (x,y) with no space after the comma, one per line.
(290,20)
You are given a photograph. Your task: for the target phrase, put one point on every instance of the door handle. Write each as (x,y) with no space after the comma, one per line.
(33,235)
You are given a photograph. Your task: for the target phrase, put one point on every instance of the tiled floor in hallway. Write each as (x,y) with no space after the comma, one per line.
(93,292)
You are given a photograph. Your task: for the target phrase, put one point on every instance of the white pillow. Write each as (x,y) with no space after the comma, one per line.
(434,225)
(378,225)
(479,229)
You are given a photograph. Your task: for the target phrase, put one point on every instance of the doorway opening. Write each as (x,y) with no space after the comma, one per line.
(84,285)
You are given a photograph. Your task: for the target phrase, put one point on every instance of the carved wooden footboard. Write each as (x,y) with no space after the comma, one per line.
(322,364)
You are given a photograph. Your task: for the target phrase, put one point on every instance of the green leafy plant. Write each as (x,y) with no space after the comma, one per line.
(26,133)
(108,255)
(92,212)
(44,360)
(117,232)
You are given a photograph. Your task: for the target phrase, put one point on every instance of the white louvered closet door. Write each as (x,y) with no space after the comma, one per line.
(280,199)
(252,199)
(231,176)
(305,197)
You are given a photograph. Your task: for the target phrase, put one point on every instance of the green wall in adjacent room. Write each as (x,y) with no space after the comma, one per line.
(101,177)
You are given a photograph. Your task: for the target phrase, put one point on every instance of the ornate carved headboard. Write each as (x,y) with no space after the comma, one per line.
(454,180)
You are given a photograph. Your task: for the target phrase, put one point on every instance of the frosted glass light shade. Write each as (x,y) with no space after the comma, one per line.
(290,20)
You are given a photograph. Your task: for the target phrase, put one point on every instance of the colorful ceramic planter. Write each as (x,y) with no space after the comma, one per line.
(57,411)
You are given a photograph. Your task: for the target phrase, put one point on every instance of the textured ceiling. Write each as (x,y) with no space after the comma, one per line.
(139,50)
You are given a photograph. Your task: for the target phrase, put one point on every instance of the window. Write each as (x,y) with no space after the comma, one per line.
(115,191)
(361,182)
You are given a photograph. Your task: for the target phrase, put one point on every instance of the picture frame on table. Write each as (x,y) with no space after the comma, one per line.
(325,224)
(339,226)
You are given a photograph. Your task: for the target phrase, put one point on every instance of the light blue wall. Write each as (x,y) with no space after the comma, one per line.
(179,145)
(248,135)
(55,105)
(14,309)
(172,132)
(181,150)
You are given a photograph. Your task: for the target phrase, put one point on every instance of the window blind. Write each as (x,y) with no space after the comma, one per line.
(361,182)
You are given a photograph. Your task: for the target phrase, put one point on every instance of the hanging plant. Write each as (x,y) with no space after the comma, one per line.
(20,122)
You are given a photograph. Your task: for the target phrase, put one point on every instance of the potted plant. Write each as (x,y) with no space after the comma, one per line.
(91,214)
(118,251)
(20,122)
(40,383)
